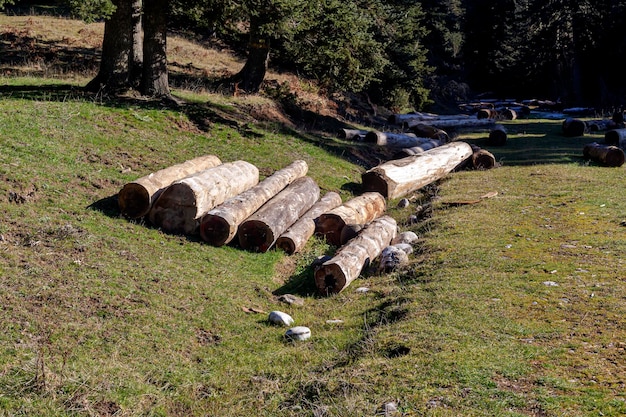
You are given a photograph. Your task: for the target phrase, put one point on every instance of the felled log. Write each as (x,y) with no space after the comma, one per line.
(359,210)
(296,236)
(497,136)
(456,123)
(259,232)
(486,114)
(482,159)
(399,177)
(219,226)
(507,114)
(573,127)
(402,119)
(415,150)
(394,140)
(426,131)
(616,137)
(181,205)
(337,273)
(136,198)
(351,134)
(608,155)
(601,125)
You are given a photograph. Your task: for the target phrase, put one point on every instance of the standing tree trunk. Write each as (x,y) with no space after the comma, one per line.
(113,75)
(251,76)
(155,78)
(136,62)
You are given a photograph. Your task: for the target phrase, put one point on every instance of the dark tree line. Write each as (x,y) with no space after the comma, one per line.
(400,53)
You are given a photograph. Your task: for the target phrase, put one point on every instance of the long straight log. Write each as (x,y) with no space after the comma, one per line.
(259,232)
(394,140)
(136,198)
(337,273)
(401,119)
(219,226)
(295,238)
(181,205)
(455,123)
(397,178)
(415,150)
(359,210)
(608,155)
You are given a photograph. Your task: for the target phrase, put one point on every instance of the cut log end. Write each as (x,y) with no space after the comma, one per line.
(287,245)
(330,226)
(177,210)
(329,279)
(216,230)
(373,182)
(134,200)
(255,236)
(483,159)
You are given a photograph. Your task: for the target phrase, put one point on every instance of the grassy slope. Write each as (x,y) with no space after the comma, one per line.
(103,316)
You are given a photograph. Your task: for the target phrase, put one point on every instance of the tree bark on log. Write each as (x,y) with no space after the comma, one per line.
(219,226)
(573,127)
(259,232)
(497,136)
(430,132)
(136,198)
(181,205)
(608,155)
(359,210)
(351,134)
(616,137)
(416,150)
(294,238)
(336,274)
(397,178)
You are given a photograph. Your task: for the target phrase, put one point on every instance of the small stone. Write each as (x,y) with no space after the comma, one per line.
(291,299)
(405,247)
(405,237)
(392,258)
(334,321)
(280,318)
(390,408)
(298,333)
(362,290)
(413,219)
(404,203)
(550,284)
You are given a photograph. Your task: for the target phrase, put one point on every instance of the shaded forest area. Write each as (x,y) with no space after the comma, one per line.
(407,55)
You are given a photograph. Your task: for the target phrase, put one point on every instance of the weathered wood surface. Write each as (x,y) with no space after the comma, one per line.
(616,137)
(394,140)
(336,274)
(455,123)
(259,232)
(573,127)
(602,125)
(608,155)
(136,198)
(397,178)
(296,236)
(415,150)
(351,134)
(497,136)
(358,210)
(482,159)
(403,119)
(219,226)
(181,205)
(427,131)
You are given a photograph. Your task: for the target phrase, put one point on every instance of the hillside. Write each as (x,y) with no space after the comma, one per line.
(510,307)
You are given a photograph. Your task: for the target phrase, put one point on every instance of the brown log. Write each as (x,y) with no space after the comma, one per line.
(573,127)
(337,273)
(486,114)
(427,131)
(181,205)
(359,210)
(295,238)
(219,226)
(482,159)
(608,155)
(616,137)
(351,134)
(397,178)
(415,150)
(497,136)
(507,114)
(259,232)
(136,198)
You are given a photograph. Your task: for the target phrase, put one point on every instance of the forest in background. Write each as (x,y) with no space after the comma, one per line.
(411,54)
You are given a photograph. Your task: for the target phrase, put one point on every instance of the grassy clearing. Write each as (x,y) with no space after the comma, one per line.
(104,316)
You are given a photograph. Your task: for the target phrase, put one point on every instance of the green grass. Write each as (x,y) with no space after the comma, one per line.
(105,316)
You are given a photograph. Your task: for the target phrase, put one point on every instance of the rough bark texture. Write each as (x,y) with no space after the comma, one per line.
(136,60)
(482,159)
(359,210)
(415,150)
(219,226)
(397,178)
(608,155)
(155,80)
(251,76)
(294,238)
(259,232)
(497,136)
(394,140)
(181,205)
(616,137)
(337,273)
(573,127)
(136,198)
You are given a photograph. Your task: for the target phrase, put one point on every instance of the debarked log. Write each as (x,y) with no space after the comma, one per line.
(456,123)
(415,150)
(296,236)
(181,205)
(219,226)
(394,140)
(616,137)
(136,198)
(397,178)
(608,155)
(337,273)
(358,210)
(259,232)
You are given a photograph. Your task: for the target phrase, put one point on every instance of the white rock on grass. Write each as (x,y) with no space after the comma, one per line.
(405,237)
(404,203)
(362,290)
(392,258)
(280,318)
(405,247)
(298,333)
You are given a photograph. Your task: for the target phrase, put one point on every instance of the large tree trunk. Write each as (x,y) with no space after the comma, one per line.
(397,178)
(113,75)
(181,205)
(260,231)
(155,77)
(611,156)
(136,198)
(359,210)
(251,76)
(337,273)
(136,60)
(295,238)
(219,226)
